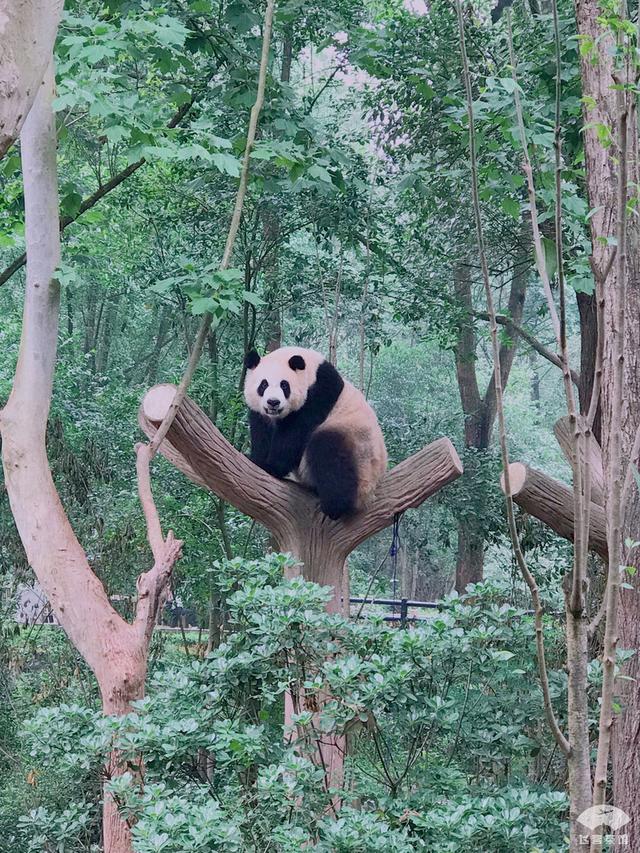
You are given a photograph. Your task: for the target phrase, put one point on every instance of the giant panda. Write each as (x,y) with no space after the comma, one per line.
(310,424)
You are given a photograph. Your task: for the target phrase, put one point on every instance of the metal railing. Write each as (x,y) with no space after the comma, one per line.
(401,605)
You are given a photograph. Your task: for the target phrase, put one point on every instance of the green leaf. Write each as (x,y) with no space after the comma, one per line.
(550,259)
(202,304)
(252,298)
(226,163)
(509,84)
(502,654)
(582,284)
(511,207)
(321,173)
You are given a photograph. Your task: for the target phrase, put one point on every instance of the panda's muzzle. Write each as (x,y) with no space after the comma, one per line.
(273,407)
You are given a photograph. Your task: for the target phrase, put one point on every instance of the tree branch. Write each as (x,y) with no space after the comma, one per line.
(154,530)
(152,587)
(551,502)
(540,348)
(195,444)
(198,449)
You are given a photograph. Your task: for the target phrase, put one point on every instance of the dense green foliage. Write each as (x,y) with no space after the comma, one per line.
(441,714)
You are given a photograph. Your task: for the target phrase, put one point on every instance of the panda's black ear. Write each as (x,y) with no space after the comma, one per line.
(296,362)
(251,360)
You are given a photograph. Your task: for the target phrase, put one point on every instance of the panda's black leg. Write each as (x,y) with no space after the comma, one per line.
(333,473)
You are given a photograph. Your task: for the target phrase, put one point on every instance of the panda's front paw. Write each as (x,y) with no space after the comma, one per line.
(278,471)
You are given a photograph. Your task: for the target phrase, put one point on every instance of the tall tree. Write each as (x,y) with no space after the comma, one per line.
(480,409)
(605,107)
(115,650)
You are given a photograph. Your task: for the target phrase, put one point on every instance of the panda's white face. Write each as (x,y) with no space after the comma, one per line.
(277,384)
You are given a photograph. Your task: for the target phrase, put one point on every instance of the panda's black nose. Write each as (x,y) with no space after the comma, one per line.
(273,404)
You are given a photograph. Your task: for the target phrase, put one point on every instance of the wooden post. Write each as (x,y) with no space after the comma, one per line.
(551,501)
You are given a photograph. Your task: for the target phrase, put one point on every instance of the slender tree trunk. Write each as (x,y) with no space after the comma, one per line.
(588,312)
(115,650)
(535,380)
(106,337)
(161,338)
(287,58)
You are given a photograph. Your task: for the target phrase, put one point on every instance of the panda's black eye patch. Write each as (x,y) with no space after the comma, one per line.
(262,387)
(286,389)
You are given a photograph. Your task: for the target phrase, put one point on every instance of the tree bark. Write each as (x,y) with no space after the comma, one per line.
(600,109)
(588,313)
(564,435)
(287,58)
(470,556)
(27,32)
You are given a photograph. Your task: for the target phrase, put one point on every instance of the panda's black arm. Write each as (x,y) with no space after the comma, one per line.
(261,437)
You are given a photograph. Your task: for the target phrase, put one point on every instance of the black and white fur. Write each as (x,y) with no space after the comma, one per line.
(308,423)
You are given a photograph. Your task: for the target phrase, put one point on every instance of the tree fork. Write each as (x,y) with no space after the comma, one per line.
(114,649)
(289,511)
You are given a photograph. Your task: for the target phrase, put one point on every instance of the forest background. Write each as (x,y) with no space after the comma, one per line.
(357,238)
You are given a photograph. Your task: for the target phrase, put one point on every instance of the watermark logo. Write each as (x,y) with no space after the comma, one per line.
(604,816)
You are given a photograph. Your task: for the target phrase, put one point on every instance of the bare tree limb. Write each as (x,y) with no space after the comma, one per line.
(153,586)
(154,530)
(540,348)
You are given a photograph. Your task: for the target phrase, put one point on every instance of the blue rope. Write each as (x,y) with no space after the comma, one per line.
(393,552)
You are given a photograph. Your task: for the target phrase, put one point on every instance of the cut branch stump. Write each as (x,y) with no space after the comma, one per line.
(551,501)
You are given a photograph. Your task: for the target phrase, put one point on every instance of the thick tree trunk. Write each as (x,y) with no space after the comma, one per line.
(601,109)
(470,556)
(116,837)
